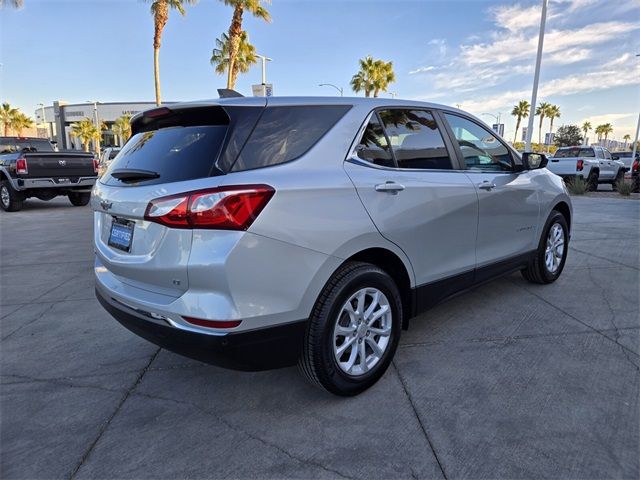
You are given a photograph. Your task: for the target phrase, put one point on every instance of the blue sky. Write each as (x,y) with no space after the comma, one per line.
(479,54)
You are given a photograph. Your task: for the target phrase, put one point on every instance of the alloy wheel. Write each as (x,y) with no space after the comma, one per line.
(554,250)
(5,197)
(362,331)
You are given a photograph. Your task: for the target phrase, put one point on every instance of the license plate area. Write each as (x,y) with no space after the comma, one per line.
(121,234)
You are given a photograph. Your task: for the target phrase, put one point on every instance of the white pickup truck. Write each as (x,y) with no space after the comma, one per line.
(594,163)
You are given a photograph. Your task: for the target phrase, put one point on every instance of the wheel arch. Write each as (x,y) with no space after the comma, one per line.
(565,210)
(393,265)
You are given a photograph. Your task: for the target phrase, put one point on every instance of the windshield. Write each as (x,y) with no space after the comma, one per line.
(574,152)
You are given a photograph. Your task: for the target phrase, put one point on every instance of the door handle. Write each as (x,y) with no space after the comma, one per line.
(390,187)
(486,185)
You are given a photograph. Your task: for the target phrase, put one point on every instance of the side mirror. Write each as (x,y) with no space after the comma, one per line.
(615,157)
(534,161)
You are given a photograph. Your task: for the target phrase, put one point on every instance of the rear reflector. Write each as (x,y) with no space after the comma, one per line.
(223,208)
(21,166)
(213,323)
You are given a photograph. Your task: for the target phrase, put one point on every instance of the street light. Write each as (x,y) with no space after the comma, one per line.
(44,120)
(97,123)
(393,94)
(536,75)
(340,89)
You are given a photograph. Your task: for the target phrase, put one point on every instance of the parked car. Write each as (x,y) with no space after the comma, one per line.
(255,233)
(31,167)
(594,163)
(106,157)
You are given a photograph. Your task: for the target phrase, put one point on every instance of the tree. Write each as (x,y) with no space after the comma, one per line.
(8,117)
(21,122)
(598,131)
(541,111)
(235,29)
(122,128)
(626,138)
(374,76)
(245,58)
(553,113)
(586,126)
(568,136)
(85,130)
(160,12)
(520,111)
(606,130)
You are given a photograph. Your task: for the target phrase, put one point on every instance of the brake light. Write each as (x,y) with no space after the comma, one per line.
(634,167)
(224,208)
(21,166)
(213,323)
(96,165)
(580,165)
(157,112)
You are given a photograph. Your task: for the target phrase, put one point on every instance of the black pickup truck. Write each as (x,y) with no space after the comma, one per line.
(31,167)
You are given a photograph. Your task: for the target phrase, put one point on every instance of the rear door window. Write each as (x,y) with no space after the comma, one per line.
(415,139)
(373,146)
(175,153)
(286,133)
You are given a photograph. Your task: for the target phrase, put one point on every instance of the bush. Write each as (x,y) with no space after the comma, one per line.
(577,186)
(624,188)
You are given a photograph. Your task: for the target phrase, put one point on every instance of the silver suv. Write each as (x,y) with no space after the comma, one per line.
(258,233)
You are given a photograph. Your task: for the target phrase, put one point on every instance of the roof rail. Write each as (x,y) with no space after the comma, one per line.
(228,93)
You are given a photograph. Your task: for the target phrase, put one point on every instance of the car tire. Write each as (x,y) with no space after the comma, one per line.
(548,262)
(619,179)
(338,352)
(10,199)
(79,199)
(592,182)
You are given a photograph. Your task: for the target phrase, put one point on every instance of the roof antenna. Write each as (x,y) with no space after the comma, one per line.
(228,93)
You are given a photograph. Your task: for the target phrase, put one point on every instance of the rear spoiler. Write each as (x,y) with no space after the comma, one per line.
(228,93)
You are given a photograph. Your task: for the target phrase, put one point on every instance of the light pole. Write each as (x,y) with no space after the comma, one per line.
(97,124)
(497,117)
(44,120)
(264,67)
(536,75)
(340,89)
(393,94)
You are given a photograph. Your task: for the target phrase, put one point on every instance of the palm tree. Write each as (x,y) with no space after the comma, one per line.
(245,58)
(122,128)
(542,110)
(606,130)
(626,138)
(160,12)
(599,132)
(520,111)
(21,122)
(374,76)
(553,113)
(586,126)
(235,29)
(85,130)
(8,117)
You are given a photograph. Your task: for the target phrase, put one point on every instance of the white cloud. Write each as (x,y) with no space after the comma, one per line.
(571,55)
(516,17)
(441,45)
(610,118)
(422,69)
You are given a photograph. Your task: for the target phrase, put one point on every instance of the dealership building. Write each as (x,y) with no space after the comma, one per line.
(55,121)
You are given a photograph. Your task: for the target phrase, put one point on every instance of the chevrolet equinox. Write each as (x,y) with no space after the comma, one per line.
(257,233)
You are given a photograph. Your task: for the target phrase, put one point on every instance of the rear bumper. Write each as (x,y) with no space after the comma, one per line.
(81,183)
(254,350)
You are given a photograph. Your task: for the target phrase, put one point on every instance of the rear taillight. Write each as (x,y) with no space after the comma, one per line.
(213,323)
(21,166)
(224,208)
(580,165)
(634,167)
(96,165)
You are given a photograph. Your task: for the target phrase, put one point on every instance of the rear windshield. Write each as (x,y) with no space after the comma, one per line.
(574,152)
(622,154)
(286,133)
(11,145)
(174,153)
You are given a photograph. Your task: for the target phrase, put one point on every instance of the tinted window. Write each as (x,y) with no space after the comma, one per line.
(40,145)
(415,139)
(373,146)
(607,154)
(624,154)
(480,148)
(113,154)
(574,152)
(286,133)
(8,146)
(175,153)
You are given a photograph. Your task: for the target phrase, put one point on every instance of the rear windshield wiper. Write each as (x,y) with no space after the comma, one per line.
(129,175)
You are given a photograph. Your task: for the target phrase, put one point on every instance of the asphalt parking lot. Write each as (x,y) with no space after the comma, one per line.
(510,380)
